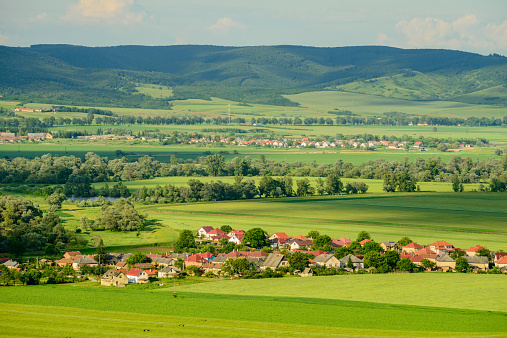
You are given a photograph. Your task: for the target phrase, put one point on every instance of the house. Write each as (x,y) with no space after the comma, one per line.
(279,235)
(390,246)
(297,244)
(335,243)
(138,276)
(301,237)
(120,265)
(203,232)
(445,262)
(356,262)
(175,255)
(114,278)
(64,261)
(501,262)
(346,240)
(196,260)
(416,260)
(478,262)
(425,251)
(473,250)
(72,255)
(441,247)
(169,272)
(274,261)
(144,266)
(236,236)
(11,264)
(499,255)
(364,241)
(162,261)
(85,260)
(308,272)
(4,259)
(327,261)
(411,248)
(215,232)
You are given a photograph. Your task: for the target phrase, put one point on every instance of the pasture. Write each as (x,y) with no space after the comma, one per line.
(260,311)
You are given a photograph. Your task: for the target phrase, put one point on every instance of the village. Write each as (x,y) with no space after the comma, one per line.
(285,255)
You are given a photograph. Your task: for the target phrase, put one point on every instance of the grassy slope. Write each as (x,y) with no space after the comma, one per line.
(214,312)
(464,220)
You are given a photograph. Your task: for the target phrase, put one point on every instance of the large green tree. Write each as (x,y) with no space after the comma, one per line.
(256,238)
(298,260)
(120,216)
(185,241)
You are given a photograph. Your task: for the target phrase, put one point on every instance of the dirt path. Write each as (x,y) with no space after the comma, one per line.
(97,241)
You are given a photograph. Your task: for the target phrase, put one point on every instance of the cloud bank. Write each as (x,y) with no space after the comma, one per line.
(105,11)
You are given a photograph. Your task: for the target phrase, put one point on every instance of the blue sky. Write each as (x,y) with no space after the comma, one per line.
(475,26)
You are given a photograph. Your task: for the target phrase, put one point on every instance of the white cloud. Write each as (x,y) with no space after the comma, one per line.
(497,34)
(463,33)
(425,32)
(39,17)
(223,25)
(106,11)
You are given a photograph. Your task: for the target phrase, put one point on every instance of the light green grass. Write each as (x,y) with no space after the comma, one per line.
(155,91)
(368,105)
(450,290)
(214,313)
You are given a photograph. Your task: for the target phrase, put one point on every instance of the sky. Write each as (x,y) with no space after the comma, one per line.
(473,26)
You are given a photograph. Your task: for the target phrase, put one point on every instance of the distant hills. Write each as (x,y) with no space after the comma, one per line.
(68,74)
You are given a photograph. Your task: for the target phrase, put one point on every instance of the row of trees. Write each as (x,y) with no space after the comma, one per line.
(60,170)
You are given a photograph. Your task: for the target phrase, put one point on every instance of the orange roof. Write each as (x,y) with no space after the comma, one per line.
(366,240)
(281,235)
(425,250)
(502,260)
(301,237)
(134,272)
(441,244)
(413,245)
(475,248)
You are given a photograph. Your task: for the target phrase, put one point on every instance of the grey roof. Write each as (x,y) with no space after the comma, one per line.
(477,259)
(308,270)
(11,264)
(390,243)
(162,260)
(219,259)
(112,273)
(170,268)
(85,260)
(257,260)
(323,258)
(353,258)
(273,260)
(176,255)
(444,258)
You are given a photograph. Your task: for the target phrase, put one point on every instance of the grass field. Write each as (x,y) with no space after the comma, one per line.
(264,307)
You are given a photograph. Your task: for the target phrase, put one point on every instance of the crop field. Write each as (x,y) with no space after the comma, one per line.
(298,309)
(368,105)
(464,219)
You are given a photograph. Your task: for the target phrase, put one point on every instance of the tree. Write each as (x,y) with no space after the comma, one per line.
(341,252)
(226,228)
(256,238)
(391,258)
(427,264)
(363,235)
(457,186)
(194,270)
(333,184)
(495,185)
(461,264)
(120,216)
(101,253)
(373,259)
(215,164)
(137,257)
(185,241)
(236,266)
(404,241)
(313,234)
(298,260)
(321,242)
(372,246)
(350,265)
(55,201)
(405,264)
(303,187)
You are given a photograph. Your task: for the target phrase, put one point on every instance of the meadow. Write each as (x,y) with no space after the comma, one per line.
(251,308)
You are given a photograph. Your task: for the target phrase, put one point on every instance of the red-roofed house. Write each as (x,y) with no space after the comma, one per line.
(196,260)
(4,259)
(412,247)
(279,235)
(425,251)
(364,241)
(499,255)
(236,236)
(346,240)
(72,254)
(473,250)
(301,237)
(215,232)
(441,247)
(335,243)
(297,244)
(137,276)
(502,262)
(203,232)
(416,259)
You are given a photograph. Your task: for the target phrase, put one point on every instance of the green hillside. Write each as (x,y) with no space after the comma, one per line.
(110,76)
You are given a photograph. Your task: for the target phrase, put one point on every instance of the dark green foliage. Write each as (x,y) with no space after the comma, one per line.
(461,264)
(496,185)
(120,216)
(256,238)
(137,257)
(405,264)
(372,246)
(185,241)
(322,242)
(363,235)
(333,184)
(404,241)
(402,182)
(298,260)
(226,228)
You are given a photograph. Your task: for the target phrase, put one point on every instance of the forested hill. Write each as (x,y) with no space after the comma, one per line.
(68,74)
(270,66)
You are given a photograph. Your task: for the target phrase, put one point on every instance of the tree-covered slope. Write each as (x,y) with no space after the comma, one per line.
(234,72)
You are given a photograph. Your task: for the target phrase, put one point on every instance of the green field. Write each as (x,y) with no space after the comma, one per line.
(316,306)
